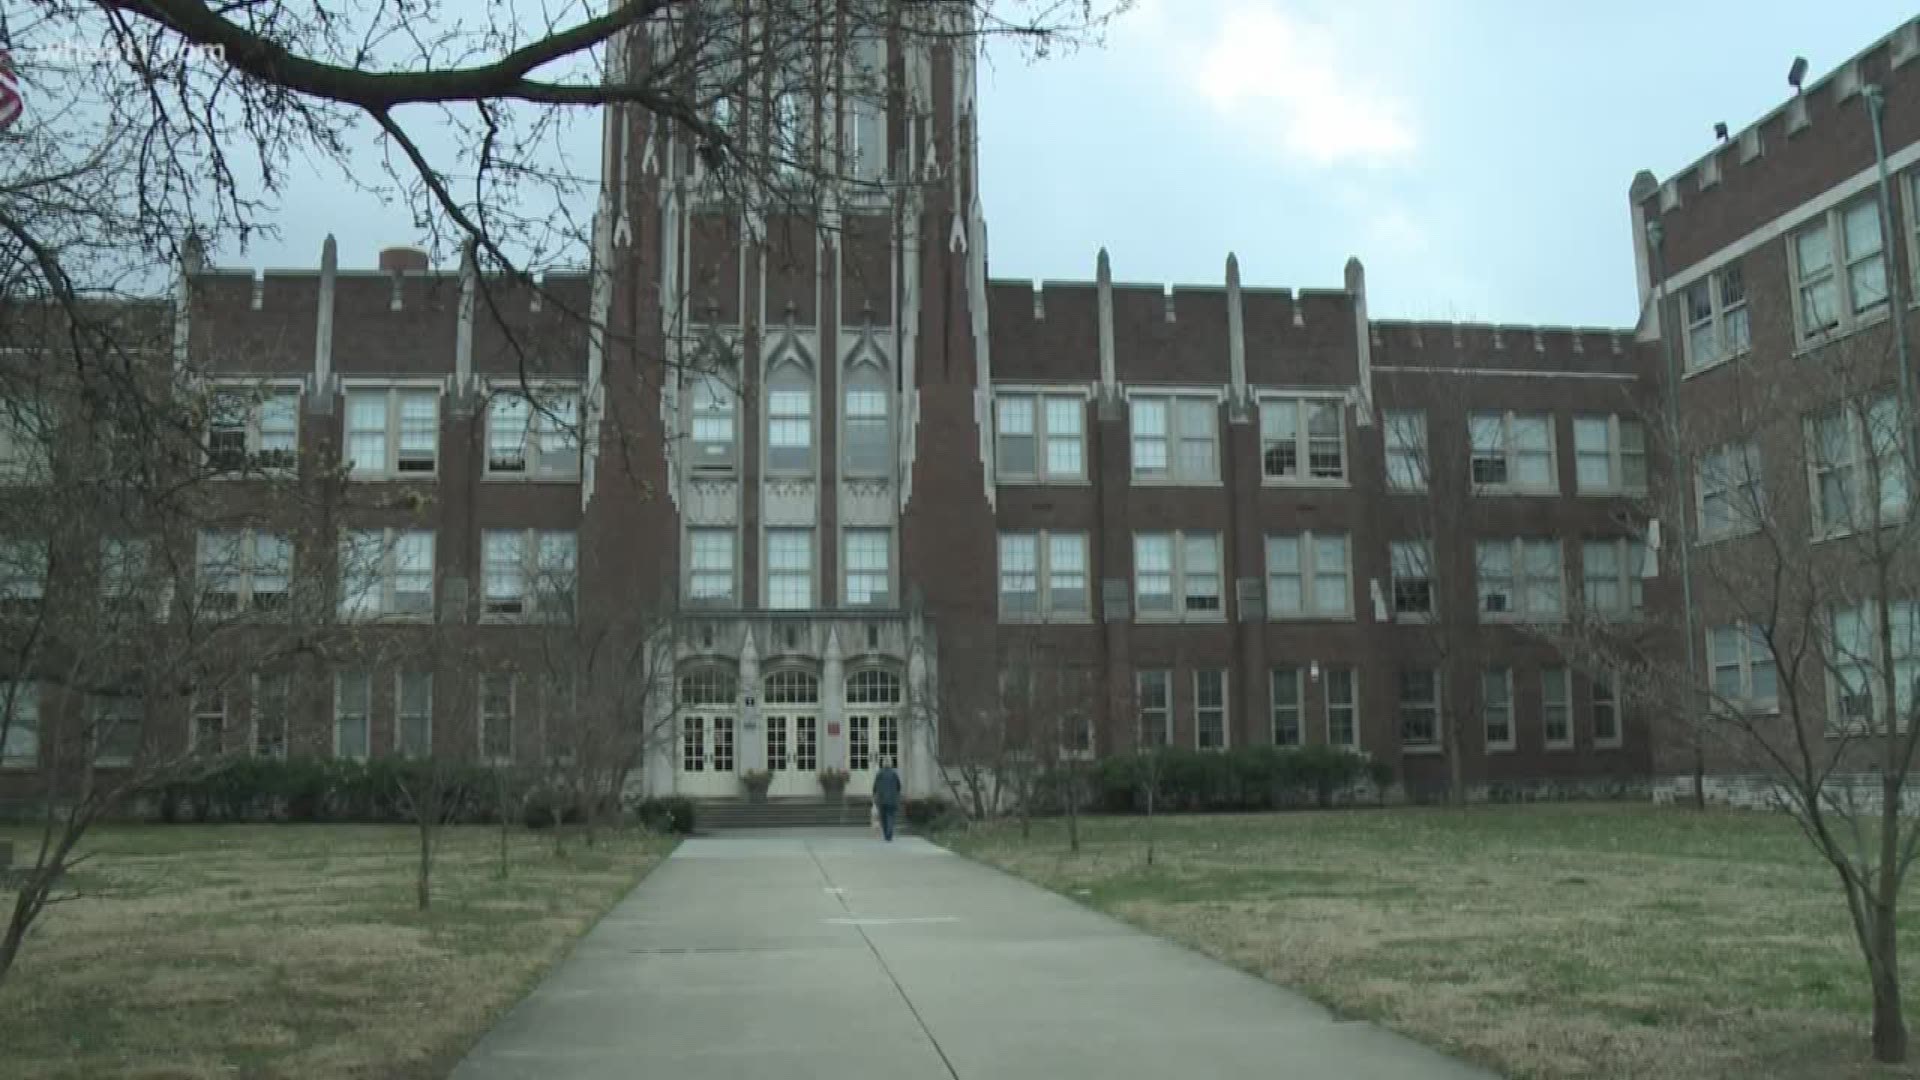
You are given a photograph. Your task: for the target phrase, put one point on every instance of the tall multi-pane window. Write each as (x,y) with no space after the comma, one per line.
(392,432)
(868,555)
(497,707)
(1174,438)
(1614,572)
(244,570)
(1287,706)
(789,569)
(1861,659)
(247,428)
(1606,711)
(1520,579)
(530,572)
(1210,709)
(1420,709)
(118,731)
(269,709)
(1556,708)
(1840,269)
(713,403)
(1309,576)
(1496,707)
(1744,673)
(1411,564)
(1512,452)
(534,437)
(1343,708)
(1719,325)
(789,420)
(1043,576)
(23,574)
(1154,689)
(869,447)
(1610,454)
(386,572)
(1730,490)
(352,713)
(1177,575)
(208,733)
(711,577)
(413,726)
(1039,437)
(1406,435)
(1859,472)
(1303,439)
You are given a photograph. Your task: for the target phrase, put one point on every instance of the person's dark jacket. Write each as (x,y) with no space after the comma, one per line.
(886,788)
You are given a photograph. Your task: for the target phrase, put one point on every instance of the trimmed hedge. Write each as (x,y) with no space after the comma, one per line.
(668,814)
(337,790)
(926,816)
(1249,778)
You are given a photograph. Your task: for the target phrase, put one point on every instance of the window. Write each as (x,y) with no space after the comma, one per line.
(1156,707)
(208,732)
(128,573)
(789,420)
(244,570)
(1719,326)
(711,577)
(1057,559)
(789,569)
(1406,434)
(413,729)
(1859,664)
(1743,669)
(1039,438)
(20,714)
(23,575)
(1412,567)
(1520,579)
(530,572)
(1309,576)
(1343,709)
(352,714)
(270,715)
(1210,710)
(392,432)
(1556,708)
(1840,269)
(538,437)
(1420,709)
(118,720)
(386,573)
(713,403)
(496,716)
(1513,452)
(708,685)
(1304,439)
(1174,440)
(1858,471)
(1609,455)
(1731,496)
(1286,707)
(1614,572)
(1177,575)
(258,429)
(874,686)
(1496,707)
(869,446)
(868,554)
(1606,712)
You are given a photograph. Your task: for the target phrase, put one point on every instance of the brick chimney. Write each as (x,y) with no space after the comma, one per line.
(394,260)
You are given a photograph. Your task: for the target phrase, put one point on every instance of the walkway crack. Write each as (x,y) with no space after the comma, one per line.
(840,894)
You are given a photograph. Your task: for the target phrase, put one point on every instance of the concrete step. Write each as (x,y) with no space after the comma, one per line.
(777,814)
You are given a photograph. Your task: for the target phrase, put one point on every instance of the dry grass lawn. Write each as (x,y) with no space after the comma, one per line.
(293,950)
(1544,941)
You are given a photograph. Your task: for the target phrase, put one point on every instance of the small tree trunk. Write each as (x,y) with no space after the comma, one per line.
(423,883)
(502,871)
(1073,812)
(1456,768)
(1699,778)
(1152,783)
(1889,1023)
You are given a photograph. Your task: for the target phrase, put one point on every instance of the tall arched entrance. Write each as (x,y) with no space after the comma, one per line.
(707,759)
(790,710)
(874,698)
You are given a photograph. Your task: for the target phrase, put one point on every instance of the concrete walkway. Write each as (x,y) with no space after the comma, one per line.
(838,956)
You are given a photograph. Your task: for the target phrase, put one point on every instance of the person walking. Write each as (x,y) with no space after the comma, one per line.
(886,796)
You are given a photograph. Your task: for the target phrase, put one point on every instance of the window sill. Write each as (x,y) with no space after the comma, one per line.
(386,619)
(516,620)
(1398,489)
(1176,620)
(1689,372)
(235,477)
(389,478)
(1046,620)
(1705,539)
(1613,744)
(1422,750)
(1807,346)
(1325,485)
(1611,493)
(518,478)
(1027,481)
(1501,748)
(1483,490)
(1521,620)
(1559,748)
(1175,483)
(1313,617)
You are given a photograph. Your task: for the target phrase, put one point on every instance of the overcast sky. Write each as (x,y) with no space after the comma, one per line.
(1475,154)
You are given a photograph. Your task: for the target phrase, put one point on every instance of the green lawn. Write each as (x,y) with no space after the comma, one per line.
(294,950)
(1546,941)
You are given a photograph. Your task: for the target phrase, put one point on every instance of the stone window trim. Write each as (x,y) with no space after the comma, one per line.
(1038,396)
(1840,275)
(1496,709)
(1869,462)
(265,431)
(1273,403)
(548,451)
(395,455)
(1556,701)
(1626,466)
(1729,475)
(1173,470)
(1044,571)
(1716,319)
(1307,568)
(1186,582)
(1508,455)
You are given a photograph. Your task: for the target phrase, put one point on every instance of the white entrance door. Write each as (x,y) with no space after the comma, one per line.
(793,753)
(872,739)
(706,757)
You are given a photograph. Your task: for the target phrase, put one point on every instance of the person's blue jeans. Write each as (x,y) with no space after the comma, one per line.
(886,819)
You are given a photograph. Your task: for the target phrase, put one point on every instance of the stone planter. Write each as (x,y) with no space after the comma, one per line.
(757,781)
